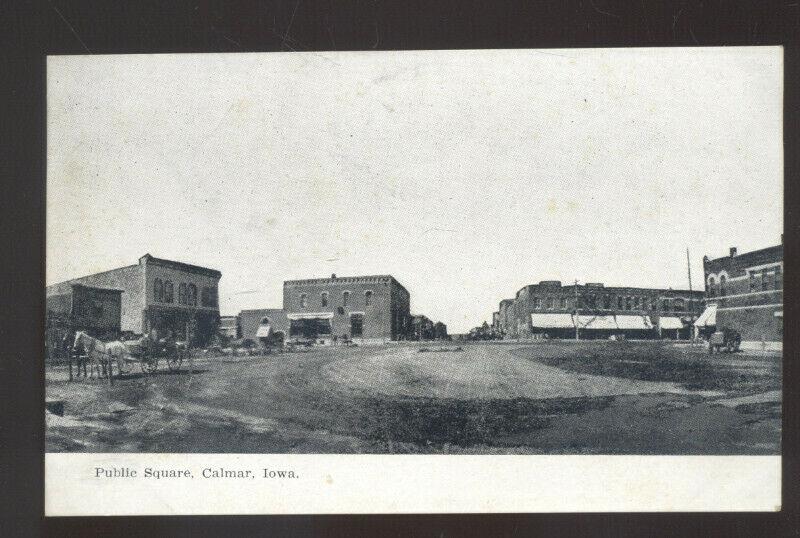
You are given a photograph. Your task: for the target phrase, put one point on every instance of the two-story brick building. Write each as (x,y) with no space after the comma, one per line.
(366,309)
(548,308)
(744,292)
(161,295)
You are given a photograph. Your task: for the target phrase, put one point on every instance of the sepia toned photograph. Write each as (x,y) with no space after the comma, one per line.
(474,252)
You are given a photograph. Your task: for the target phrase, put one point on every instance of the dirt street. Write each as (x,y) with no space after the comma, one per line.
(552,398)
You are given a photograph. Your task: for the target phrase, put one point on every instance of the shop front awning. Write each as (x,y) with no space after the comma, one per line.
(670,322)
(264,331)
(311,315)
(552,321)
(633,323)
(708,318)
(597,322)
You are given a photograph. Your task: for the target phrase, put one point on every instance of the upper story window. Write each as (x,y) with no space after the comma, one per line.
(191,295)
(537,303)
(619,302)
(550,303)
(303,300)
(711,287)
(368,298)
(208,296)
(679,305)
(323,298)
(606,302)
(722,282)
(636,303)
(345,298)
(653,303)
(628,303)
(778,278)
(169,292)
(592,301)
(158,290)
(766,279)
(665,305)
(563,303)
(182,293)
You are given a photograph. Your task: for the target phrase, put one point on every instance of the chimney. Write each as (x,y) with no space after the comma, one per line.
(733,252)
(333,276)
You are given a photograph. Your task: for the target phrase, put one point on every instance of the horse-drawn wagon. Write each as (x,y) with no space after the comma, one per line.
(148,353)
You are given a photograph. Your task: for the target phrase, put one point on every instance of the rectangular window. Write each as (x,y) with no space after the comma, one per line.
(765,278)
(550,303)
(753,281)
(628,303)
(563,303)
(619,302)
(537,303)
(665,305)
(356,325)
(778,278)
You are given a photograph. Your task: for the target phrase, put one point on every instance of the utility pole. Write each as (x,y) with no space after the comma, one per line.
(691,296)
(577,319)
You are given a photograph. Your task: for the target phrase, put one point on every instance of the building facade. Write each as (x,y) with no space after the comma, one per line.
(229,326)
(744,292)
(161,295)
(552,310)
(251,320)
(78,307)
(505,316)
(365,309)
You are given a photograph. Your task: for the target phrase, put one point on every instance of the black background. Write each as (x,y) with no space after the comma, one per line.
(31,30)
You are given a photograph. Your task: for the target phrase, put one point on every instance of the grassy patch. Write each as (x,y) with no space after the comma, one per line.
(692,368)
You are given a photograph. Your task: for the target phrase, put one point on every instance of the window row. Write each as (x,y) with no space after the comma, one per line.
(770,278)
(164,292)
(607,302)
(324,299)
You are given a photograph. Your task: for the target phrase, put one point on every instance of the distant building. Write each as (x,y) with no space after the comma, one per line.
(744,292)
(161,295)
(552,310)
(251,320)
(505,316)
(78,307)
(229,326)
(366,309)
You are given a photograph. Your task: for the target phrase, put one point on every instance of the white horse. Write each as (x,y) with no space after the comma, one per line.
(99,353)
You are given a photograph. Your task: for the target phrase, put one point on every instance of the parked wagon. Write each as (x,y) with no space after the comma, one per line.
(148,353)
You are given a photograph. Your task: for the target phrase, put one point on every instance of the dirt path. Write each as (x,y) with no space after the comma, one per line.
(484,372)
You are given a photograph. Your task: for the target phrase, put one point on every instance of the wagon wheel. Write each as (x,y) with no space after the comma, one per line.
(174,360)
(149,363)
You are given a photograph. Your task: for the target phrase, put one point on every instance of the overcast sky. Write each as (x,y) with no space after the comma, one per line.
(465,174)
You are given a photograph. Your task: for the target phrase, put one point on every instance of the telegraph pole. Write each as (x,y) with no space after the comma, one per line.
(577,337)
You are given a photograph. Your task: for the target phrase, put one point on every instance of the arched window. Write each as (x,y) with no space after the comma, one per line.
(169,292)
(679,305)
(711,284)
(606,302)
(303,300)
(619,302)
(345,298)
(158,290)
(550,303)
(191,293)
(563,303)
(182,299)
(323,299)
(722,281)
(368,297)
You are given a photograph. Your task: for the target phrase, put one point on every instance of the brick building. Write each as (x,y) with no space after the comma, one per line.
(251,320)
(550,309)
(744,292)
(505,316)
(162,295)
(367,309)
(78,307)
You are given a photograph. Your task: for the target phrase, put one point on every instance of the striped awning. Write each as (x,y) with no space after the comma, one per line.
(708,318)
(597,322)
(264,331)
(552,321)
(633,323)
(670,322)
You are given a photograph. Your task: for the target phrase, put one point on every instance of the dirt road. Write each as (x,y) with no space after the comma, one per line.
(483,399)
